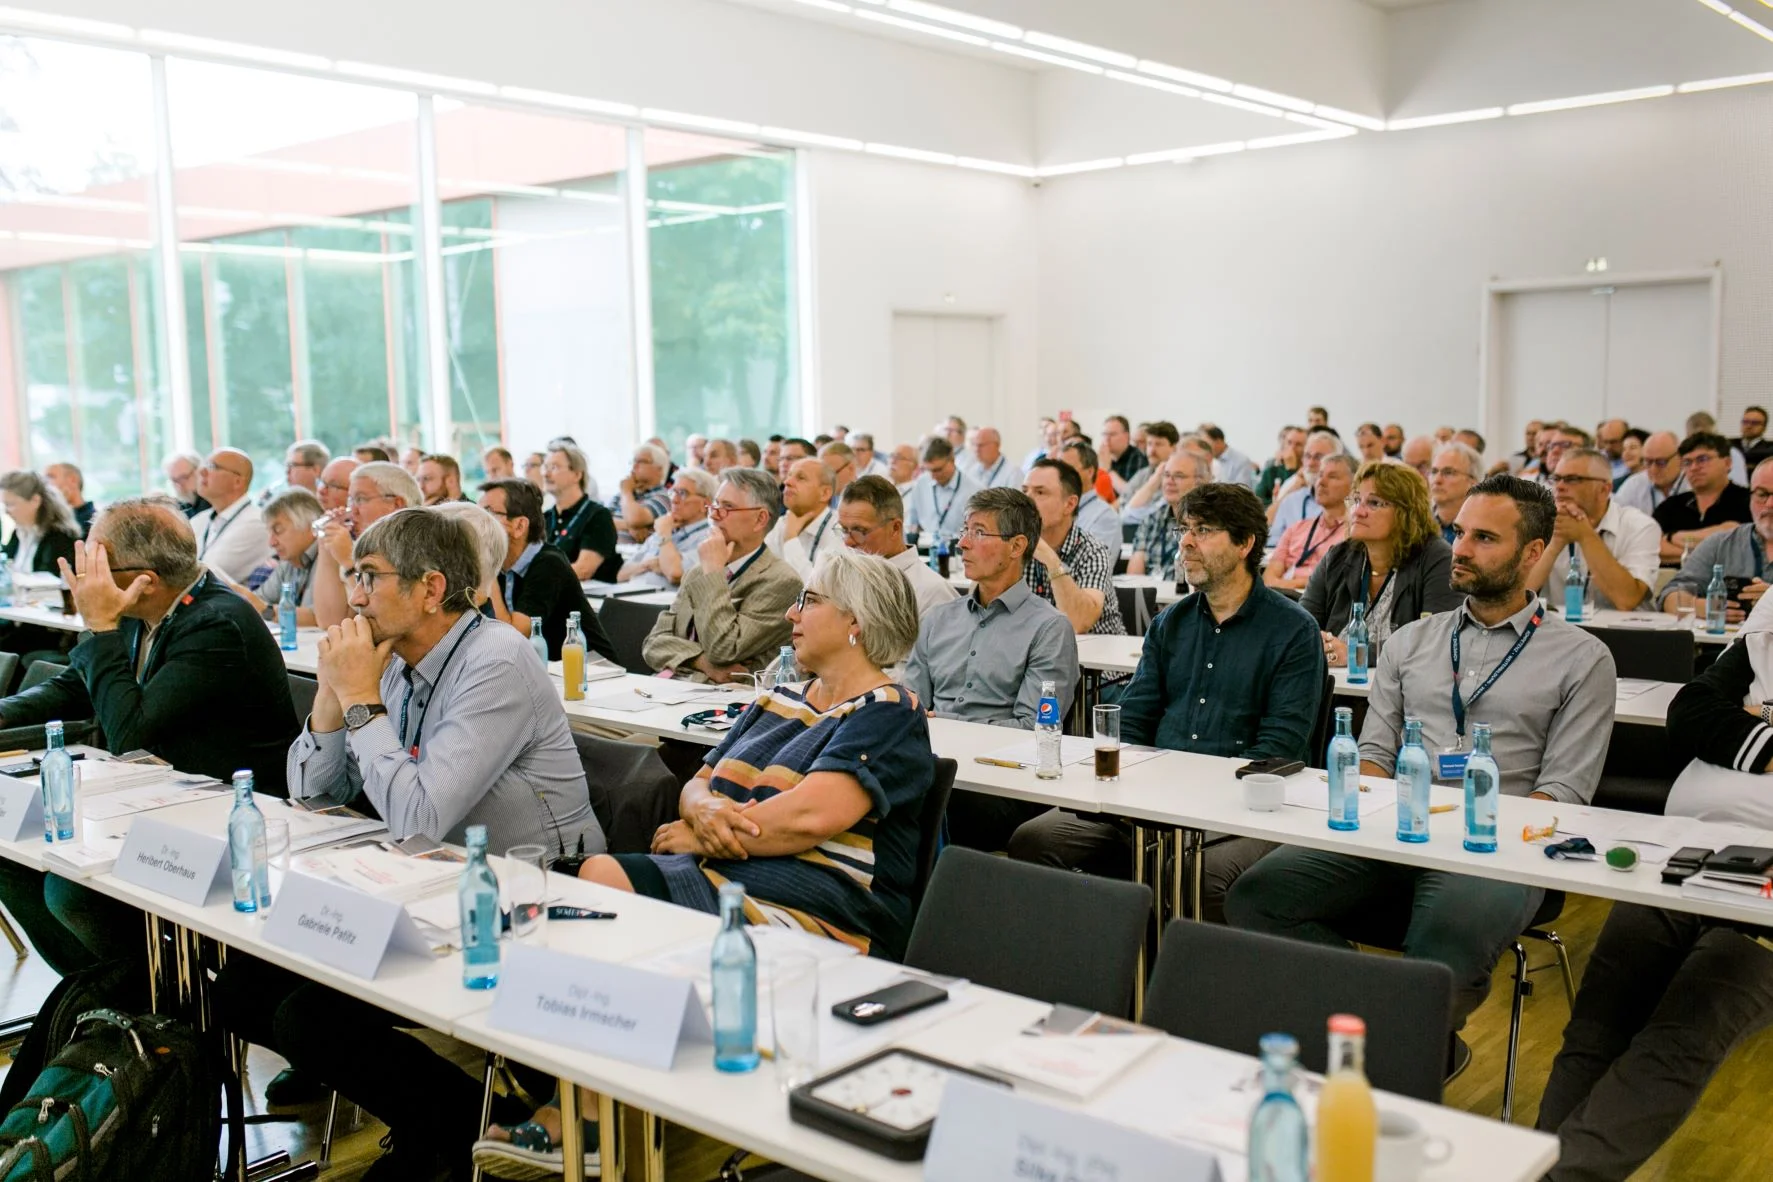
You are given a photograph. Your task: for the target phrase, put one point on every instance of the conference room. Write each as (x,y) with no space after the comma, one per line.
(719,589)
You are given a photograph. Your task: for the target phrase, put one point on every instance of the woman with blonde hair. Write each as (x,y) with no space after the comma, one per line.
(1393,563)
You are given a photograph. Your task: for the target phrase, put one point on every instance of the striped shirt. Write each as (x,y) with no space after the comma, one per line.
(1092,569)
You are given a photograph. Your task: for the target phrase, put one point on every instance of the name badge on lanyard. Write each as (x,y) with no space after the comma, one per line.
(1450,763)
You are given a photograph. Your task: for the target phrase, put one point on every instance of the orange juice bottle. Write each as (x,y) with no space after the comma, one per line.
(1347,1122)
(572,660)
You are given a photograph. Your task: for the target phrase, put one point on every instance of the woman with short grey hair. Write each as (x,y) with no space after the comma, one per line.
(490,543)
(877,595)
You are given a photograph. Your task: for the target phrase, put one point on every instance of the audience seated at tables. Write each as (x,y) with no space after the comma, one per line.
(1096,516)
(1155,545)
(289,519)
(1393,562)
(1549,712)
(1702,422)
(642,494)
(983,657)
(180,470)
(1668,995)
(534,580)
(1145,489)
(1660,476)
(576,524)
(72,483)
(440,479)
(230,533)
(1070,569)
(936,504)
(1295,499)
(671,548)
(1233,669)
(1303,546)
(1743,551)
(727,617)
(991,468)
(378,488)
(43,535)
(871,515)
(1618,543)
(1456,466)
(808,524)
(1712,504)
(1289,453)
(1230,466)
(173,663)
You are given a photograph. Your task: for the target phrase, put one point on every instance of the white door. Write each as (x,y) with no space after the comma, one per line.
(1554,351)
(1660,354)
(942,365)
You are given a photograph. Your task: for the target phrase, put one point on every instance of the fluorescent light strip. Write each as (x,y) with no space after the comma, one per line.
(1718,6)
(1242,104)
(978,165)
(1320,124)
(827,5)
(1155,84)
(900,22)
(548,98)
(1178,74)
(1752,25)
(704,122)
(950,16)
(1049,58)
(811,139)
(1364,122)
(1184,155)
(416,78)
(1285,102)
(64,24)
(254,53)
(1590,100)
(1082,166)
(1476,116)
(917,154)
(1304,137)
(1125,61)
(1723,83)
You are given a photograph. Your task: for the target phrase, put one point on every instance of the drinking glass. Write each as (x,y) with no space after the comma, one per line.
(794,1017)
(276,856)
(1106,728)
(525,883)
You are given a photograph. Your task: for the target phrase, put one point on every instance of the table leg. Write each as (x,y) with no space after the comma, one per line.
(572,1133)
(1141,875)
(609,1138)
(653,1130)
(1197,908)
(1182,850)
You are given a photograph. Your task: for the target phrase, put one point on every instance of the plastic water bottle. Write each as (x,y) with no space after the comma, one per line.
(537,641)
(1048,763)
(5,582)
(1344,762)
(477,894)
(787,673)
(286,619)
(1483,785)
(1414,775)
(1357,646)
(57,777)
(734,972)
(246,849)
(1575,585)
(1280,1143)
(1716,597)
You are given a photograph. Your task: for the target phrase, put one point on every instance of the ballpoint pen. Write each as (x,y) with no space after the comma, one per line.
(1009,763)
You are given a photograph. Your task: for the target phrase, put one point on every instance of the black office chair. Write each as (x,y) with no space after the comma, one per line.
(1650,654)
(929,827)
(8,670)
(1129,531)
(1034,930)
(632,791)
(1138,607)
(1318,748)
(1228,988)
(302,689)
(626,623)
(40,672)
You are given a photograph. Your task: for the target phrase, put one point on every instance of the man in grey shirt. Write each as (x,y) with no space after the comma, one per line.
(983,657)
(1550,710)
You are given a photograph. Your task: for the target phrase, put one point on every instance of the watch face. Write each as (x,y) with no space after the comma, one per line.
(900,1091)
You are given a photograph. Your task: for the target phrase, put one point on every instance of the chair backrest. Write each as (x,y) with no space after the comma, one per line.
(626,623)
(40,672)
(1038,931)
(632,791)
(1650,654)
(302,689)
(1318,750)
(8,670)
(1138,605)
(929,827)
(1228,988)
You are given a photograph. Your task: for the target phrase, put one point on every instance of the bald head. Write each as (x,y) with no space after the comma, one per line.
(225,477)
(335,483)
(988,446)
(1662,459)
(1419,453)
(809,487)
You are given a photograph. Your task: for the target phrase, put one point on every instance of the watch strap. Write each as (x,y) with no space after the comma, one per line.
(364,714)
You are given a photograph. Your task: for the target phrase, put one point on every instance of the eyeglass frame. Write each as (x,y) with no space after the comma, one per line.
(1372,504)
(1565,481)
(1197,532)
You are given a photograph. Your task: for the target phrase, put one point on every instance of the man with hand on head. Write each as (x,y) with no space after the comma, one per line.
(728,616)
(231,532)
(1746,554)
(377,489)
(1071,570)
(642,494)
(535,580)
(808,521)
(1618,543)
(871,515)
(582,529)
(663,557)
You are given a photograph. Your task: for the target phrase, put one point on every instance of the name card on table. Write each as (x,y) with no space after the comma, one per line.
(21,809)
(179,863)
(986,1133)
(340,927)
(625,1013)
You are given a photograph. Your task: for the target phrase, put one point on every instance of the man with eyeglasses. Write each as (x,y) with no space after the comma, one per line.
(1234,669)
(576,524)
(536,581)
(289,527)
(1071,570)
(334,489)
(1609,438)
(663,557)
(868,461)
(1745,552)
(1619,544)
(937,502)
(871,515)
(991,468)
(378,488)
(1145,491)
(231,532)
(1456,467)
(808,523)
(1155,546)
(728,616)
(1711,504)
(1296,499)
(902,469)
(838,457)
(302,466)
(1659,477)
(181,473)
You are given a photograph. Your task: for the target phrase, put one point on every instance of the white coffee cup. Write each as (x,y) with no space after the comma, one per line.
(1264,793)
(1405,1148)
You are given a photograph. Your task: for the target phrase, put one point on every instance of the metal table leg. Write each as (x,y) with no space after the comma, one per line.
(653,1132)
(609,1138)
(572,1133)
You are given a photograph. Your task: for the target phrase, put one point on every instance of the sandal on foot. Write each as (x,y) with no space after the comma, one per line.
(532,1156)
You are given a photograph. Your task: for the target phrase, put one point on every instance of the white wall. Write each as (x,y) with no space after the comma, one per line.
(1244,288)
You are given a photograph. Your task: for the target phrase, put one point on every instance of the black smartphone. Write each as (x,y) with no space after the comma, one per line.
(883,1005)
(1741,859)
(1278,765)
(1684,863)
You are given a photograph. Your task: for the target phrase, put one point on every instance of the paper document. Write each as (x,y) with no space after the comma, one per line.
(1311,790)
(311,829)
(379,872)
(626,702)
(1077,1061)
(596,669)
(1073,749)
(1631,687)
(123,802)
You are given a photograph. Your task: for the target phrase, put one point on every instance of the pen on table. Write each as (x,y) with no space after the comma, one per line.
(1009,763)
(10,754)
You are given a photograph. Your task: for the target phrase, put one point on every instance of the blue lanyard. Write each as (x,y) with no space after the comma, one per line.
(1312,533)
(1367,581)
(935,502)
(1459,702)
(562,528)
(812,551)
(426,708)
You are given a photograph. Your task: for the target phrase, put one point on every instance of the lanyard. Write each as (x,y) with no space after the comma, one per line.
(1367,581)
(1312,533)
(562,528)
(995,469)
(936,501)
(473,623)
(812,550)
(1459,703)
(211,535)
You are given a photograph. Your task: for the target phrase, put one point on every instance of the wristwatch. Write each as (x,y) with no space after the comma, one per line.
(1064,572)
(359,715)
(1767,712)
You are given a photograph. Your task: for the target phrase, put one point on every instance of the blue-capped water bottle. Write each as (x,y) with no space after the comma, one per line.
(1414,776)
(1717,599)
(734,971)
(477,896)
(286,619)
(537,641)
(5,582)
(246,849)
(1048,758)
(1280,1143)
(787,672)
(1344,762)
(57,776)
(1357,646)
(1575,584)
(1483,787)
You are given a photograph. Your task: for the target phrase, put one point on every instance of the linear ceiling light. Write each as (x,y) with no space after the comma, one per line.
(900,22)
(1082,166)
(1590,100)
(1443,120)
(1155,84)
(1095,53)
(1052,59)
(1191,77)
(1303,137)
(973,162)
(1184,155)
(899,153)
(1752,25)
(1364,122)
(951,16)
(1284,101)
(1723,83)
(1225,100)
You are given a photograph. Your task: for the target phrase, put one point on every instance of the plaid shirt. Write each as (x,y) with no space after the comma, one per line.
(1092,567)
(1157,540)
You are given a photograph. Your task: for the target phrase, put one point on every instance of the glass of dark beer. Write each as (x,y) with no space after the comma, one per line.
(1106,729)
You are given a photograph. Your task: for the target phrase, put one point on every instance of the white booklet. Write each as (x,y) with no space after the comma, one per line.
(380,872)
(1073,1052)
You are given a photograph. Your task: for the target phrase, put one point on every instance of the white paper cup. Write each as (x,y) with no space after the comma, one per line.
(1264,793)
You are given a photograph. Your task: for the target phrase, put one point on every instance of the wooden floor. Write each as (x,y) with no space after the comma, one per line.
(1729,1138)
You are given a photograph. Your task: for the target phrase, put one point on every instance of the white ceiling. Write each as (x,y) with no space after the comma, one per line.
(1394,4)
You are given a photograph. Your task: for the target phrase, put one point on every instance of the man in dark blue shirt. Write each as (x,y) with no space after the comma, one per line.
(1234,669)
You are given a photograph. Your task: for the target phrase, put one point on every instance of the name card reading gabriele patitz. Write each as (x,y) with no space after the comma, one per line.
(628,1014)
(21,809)
(340,927)
(986,1133)
(179,863)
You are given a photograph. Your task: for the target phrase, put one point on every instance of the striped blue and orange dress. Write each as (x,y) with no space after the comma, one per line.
(854,886)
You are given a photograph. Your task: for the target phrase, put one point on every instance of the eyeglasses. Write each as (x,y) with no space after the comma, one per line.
(1654,462)
(683,494)
(1197,532)
(1448,473)
(1573,481)
(857,533)
(363,499)
(1373,504)
(497,512)
(974,535)
(718,510)
(365,580)
(808,599)
(1698,459)
(1761,496)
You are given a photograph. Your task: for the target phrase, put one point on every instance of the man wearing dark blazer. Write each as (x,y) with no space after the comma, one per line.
(173,663)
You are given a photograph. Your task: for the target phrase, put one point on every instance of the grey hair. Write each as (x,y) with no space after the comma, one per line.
(860,437)
(1590,454)
(702,483)
(391,480)
(296,505)
(1343,458)
(1014,514)
(490,538)
(55,517)
(759,485)
(311,452)
(877,594)
(418,541)
(1341,448)
(656,454)
(1474,463)
(150,532)
(190,457)
(575,460)
(1203,467)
